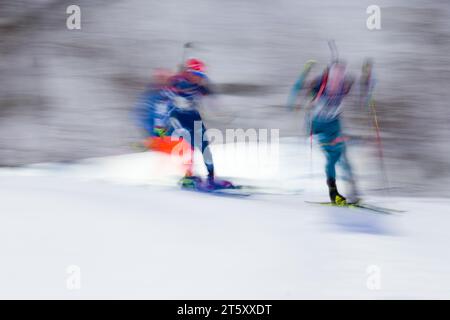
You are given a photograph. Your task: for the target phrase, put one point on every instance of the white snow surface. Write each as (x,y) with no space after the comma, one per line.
(133,234)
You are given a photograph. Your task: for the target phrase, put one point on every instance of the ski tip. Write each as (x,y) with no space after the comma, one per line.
(363,206)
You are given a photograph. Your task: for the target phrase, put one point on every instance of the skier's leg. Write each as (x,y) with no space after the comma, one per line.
(183,124)
(333,154)
(327,132)
(185,150)
(201,142)
(213,183)
(353,195)
(192,122)
(208,160)
(330,166)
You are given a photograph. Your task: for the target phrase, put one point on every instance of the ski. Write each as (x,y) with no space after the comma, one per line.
(272,191)
(374,207)
(365,206)
(224,192)
(246,191)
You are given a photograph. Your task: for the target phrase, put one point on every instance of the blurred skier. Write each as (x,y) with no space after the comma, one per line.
(188,87)
(328,91)
(170,108)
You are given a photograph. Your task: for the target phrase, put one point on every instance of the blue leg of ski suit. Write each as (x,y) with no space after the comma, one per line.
(328,132)
(185,120)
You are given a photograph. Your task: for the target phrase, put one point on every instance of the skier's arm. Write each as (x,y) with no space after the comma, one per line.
(313,86)
(204,86)
(143,113)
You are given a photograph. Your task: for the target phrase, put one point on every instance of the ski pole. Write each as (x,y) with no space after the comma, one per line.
(333,50)
(379,145)
(186,47)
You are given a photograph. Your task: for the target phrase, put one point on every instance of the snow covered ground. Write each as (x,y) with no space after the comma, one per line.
(120,227)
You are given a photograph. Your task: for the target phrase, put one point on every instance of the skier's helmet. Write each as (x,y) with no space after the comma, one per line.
(195,65)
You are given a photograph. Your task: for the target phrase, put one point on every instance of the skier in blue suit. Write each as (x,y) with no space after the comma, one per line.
(172,110)
(153,108)
(188,87)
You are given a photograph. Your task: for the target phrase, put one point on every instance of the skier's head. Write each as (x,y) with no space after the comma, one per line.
(194,64)
(194,70)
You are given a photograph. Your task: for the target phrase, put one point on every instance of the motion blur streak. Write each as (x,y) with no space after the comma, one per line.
(80,191)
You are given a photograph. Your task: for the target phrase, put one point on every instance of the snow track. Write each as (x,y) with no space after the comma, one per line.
(130,241)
